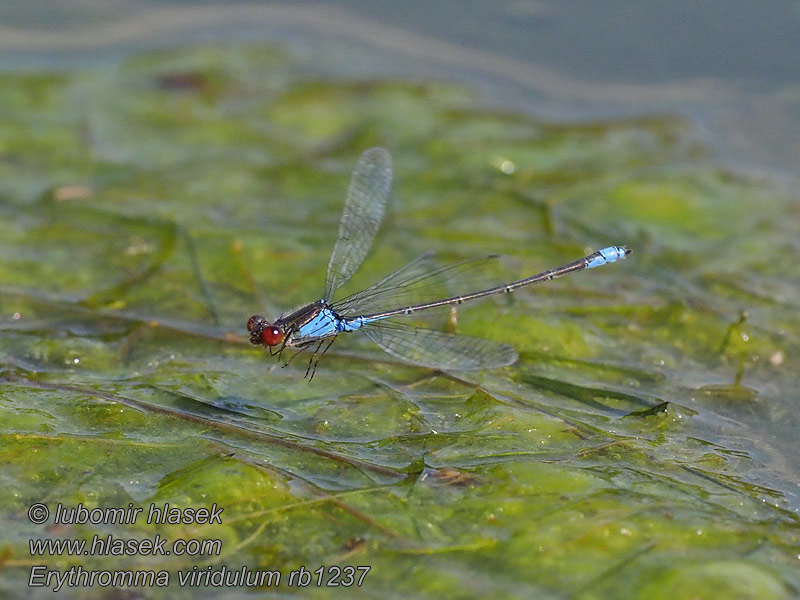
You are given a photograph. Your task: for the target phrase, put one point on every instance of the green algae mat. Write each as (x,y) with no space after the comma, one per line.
(643,446)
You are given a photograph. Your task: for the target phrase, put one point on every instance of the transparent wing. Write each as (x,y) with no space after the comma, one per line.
(437,350)
(361,217)
(421,280)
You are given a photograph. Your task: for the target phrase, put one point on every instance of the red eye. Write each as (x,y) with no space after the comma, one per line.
(272,336)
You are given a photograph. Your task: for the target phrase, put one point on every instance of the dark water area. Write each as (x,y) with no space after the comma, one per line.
(732,67)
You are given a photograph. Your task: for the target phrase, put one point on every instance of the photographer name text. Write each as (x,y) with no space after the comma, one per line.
(157,514)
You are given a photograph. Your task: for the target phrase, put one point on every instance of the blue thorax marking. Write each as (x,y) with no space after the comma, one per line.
(324,323)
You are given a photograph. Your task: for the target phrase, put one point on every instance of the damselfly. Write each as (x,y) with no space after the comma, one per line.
(316,326)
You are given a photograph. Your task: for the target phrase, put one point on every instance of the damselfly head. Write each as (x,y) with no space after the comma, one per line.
(261,332)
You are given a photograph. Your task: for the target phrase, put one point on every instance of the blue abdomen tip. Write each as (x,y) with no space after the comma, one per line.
(608,255)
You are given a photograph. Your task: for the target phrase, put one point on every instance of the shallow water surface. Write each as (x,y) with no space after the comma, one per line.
(643,446)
